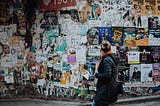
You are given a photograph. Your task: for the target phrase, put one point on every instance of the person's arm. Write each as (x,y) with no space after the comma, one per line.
(107,70)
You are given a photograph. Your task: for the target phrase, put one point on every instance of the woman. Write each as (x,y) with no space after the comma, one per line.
(105,75)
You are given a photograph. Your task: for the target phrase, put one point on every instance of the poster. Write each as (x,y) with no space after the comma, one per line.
(122,52)
(141,38)
(155,54)
(154,37)
(116,36)
(123,73)
(103,33)
(81,54)
(135,73)
(133,57)
(146,72)
(145,54)
(55,4)
(156,72)
(129,36)
(71,57)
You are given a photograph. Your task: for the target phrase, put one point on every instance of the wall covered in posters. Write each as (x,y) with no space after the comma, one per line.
(63,47)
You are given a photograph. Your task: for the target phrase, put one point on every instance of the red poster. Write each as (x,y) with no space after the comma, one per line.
(55,4)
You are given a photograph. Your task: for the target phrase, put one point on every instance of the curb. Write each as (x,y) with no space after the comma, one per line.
(132,100)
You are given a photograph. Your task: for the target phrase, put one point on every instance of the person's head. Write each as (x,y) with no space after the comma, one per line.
(105,46)
(135,68)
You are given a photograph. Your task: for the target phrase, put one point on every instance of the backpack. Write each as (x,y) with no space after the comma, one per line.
(116,87)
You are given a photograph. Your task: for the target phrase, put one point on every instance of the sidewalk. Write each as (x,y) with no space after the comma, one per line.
(132,100)
(77,103)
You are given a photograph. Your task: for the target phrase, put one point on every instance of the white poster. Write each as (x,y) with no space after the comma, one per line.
(133,57)
(146,72)
(81,54)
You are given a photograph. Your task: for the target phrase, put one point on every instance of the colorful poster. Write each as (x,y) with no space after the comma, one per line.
(92,36)
(88,10)
(116,36)
(135,73)
(129,36)
(156,72)
(103,33)
(71,57)
(146,72)
(145,54)
(154,37)
(133,57)
(141,38)
(155,54)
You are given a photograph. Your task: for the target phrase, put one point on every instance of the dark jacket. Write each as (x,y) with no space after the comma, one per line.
(105,78)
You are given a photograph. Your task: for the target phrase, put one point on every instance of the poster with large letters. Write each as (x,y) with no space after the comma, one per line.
(55,4)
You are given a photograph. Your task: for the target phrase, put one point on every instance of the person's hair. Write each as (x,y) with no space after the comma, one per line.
(105,46)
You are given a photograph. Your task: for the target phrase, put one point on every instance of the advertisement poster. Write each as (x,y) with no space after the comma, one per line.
(129,36)
(133,57)
(122,52)
(156,72)
(155,54)
(116,36)
(103,33)
(141,37)
(135,73)
(146,72)
(154,37)
(145,54)
(123,73)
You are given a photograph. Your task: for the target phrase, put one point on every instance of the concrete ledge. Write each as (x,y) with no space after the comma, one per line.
(87,103)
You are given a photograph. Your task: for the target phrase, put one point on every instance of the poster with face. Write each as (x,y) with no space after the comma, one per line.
(156,72)
(135,73)
(92,36)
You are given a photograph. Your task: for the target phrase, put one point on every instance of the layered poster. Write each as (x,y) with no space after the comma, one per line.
(145,54)
(146,72)
(129,36)
(156,72)
(135,73)
(141,37)
(155,54)
(116,36)
(154,37)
